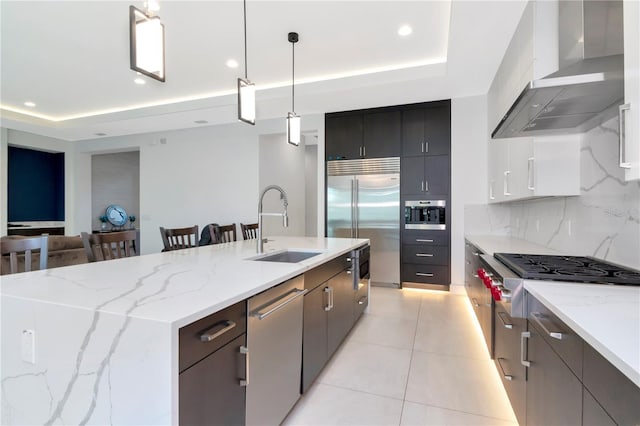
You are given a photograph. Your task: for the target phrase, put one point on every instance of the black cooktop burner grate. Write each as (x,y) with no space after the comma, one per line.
(568,268)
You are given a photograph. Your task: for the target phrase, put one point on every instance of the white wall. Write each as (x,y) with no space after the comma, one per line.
(282,164)
(191,176)
(311,197)
(468,172)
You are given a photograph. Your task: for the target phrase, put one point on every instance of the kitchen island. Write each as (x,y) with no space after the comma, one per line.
(98,343)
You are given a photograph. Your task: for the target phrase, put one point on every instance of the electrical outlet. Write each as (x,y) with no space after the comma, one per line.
(28,346)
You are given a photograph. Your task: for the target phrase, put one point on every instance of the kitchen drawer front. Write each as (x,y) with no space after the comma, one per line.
(434,238)
(220,326)
(427,274)
(425,255)
(564,341)
(320,274)
(618,395)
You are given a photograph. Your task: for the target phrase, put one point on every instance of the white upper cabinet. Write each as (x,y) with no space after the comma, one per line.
(630,111)
(523,168)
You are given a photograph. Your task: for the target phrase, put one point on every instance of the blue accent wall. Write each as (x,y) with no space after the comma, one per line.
(36,185)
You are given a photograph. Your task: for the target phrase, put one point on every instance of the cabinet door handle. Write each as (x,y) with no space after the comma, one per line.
(524,335)
(506,376)
(538,318)
(491,196)
(422,147)
(506,183)
(421,240)
(530,183)
(424,274)
(360,152)
(297,293)
(622,140)
(475,302)
(364,151)
(329,292)
(504,323)
(245,351)
(422,186)
(209,334)
(426,147)
(424,255)
(426,186)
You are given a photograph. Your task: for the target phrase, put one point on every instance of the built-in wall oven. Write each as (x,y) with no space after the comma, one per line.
(425,214)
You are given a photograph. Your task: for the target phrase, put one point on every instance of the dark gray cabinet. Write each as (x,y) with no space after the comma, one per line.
(592,413)
(426,131)
(554,393)
(343,136)
(212,368)
(506,352)
(328,315)
(425,176)
(362,134)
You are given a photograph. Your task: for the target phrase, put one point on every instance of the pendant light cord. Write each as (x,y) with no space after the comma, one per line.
(245,38)
(293,75)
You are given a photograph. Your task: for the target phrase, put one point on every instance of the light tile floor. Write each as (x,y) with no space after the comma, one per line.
(416,358)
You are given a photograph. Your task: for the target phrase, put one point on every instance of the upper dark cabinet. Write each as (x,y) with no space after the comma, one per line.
(382,133)
(426,131)
(343,137)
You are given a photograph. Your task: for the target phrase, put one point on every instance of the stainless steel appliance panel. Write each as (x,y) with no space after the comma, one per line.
(425,214)
(377,205)
(274,339)
(340,208)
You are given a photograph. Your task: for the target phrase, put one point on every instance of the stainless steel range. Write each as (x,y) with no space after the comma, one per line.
(504,274)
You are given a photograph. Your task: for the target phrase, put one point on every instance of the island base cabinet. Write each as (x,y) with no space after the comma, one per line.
(592,413)
(340,318)
(314,337)
(210,392)
(554,393)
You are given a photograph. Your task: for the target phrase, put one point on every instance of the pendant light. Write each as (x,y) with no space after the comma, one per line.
(293,119)
(246,89)
(146,41)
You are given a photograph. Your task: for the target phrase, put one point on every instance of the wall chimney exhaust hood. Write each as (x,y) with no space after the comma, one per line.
(589,83)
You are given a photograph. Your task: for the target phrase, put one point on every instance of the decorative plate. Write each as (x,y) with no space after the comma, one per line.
(116,215)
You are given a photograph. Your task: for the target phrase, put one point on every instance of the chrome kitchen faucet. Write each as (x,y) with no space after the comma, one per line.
(285,218)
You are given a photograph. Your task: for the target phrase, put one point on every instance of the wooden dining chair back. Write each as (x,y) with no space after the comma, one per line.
(249,231)
(24,247)
(111,245)
(223,233)
(179,238)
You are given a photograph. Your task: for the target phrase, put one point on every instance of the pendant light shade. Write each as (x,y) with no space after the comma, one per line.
(146,43)
(246,89)
(293,128)
(293,119)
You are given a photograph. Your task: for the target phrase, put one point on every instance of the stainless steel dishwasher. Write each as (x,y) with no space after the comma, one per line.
(274,339)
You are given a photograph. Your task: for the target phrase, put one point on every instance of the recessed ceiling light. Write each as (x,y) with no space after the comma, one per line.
(139,81)
(100,134)
(201,121)
(405,30)
(30,104)
(232,63)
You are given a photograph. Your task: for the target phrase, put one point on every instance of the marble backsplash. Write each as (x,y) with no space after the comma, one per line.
(603,222)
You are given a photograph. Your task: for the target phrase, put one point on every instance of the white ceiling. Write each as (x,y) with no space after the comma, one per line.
(72,59)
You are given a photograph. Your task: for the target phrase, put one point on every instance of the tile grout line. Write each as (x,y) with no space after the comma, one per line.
(460,411)
(415,333)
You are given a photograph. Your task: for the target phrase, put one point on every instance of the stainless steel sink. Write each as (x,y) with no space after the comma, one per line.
(288,256)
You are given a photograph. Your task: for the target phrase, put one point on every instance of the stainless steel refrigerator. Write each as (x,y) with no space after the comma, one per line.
(363,201)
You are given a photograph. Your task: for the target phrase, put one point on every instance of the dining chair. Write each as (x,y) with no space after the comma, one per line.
(111,245)
(222,233)
(179,238)
(249,231)
(25,246)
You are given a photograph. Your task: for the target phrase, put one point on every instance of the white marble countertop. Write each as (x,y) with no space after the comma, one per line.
(605,316)
(98,343)
(176,287)
(491,244)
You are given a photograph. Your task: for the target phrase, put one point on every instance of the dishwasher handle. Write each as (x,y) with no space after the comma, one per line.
(296,292)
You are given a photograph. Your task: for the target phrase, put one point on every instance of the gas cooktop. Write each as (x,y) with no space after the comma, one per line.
(568,268)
